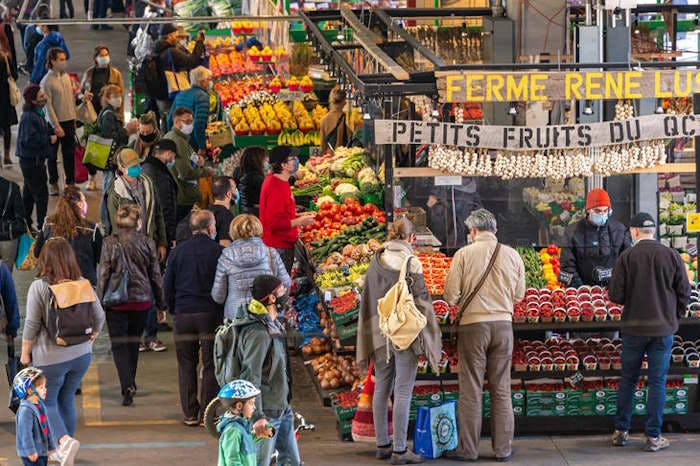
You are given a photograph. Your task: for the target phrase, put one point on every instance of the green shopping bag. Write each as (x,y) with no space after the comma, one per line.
(97,151)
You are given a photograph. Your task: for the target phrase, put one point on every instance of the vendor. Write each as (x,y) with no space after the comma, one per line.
(592,245)
(335,129)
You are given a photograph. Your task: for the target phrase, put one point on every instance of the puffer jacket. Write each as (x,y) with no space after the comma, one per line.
(141,261)
(195,99)
(239,264)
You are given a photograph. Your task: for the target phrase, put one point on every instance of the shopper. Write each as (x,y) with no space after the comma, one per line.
(189,167)
(109,123)
(242,261)
(157,167)
(9,314)
(278,210)
(136,252)
(8,70)
(335,129)
(440,220)
(187,286)
(63,366)
(236,447)
(173,55)
(34,435)
(651,282)
(592,245)
(34,140)
(254,166)
(61,113)
(196,99)
(224,192)
(12,220)
(486,279)
(100,74)
(69,221)
(148,135)
(259,327)
(52,39)
(32,36)
(393,368)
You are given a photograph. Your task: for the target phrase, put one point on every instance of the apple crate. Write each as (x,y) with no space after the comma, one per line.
(221,138)
(346,317)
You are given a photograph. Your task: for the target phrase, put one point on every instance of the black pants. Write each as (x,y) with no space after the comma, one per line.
(125,329)
(7,138)
(35,191)
(287,256)
(68,12)
(67,144)
(192,332)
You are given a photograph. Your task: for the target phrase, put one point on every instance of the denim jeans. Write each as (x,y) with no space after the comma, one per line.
(151,330)
(398,375)
(62,380)
(107,178)
(284,442)
(40,461)
(658,351)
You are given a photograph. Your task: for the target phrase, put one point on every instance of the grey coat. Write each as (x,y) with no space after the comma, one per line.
(239,264)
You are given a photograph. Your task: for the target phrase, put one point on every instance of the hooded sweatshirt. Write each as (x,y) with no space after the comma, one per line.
(236,446)
(239,264)
(51,40)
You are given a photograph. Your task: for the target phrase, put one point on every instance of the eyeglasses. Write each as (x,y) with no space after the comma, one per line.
(293,158)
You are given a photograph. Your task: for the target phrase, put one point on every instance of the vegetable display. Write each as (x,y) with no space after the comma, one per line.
(573,305)
(435,268)
(368,229)
(334,371)
(338,278)
(551,265)
(534,277)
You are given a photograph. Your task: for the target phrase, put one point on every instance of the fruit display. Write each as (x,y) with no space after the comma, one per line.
(334,371)
(339,237)
(550,257)
(570,305)
(435,268)
(534,276)
(344,303)
(351,255)
(444,313)
(218,134)
(337,278)
(693,309)
(263,114)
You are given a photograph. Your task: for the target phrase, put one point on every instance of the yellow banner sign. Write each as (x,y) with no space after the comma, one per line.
(692,223)
(573,85)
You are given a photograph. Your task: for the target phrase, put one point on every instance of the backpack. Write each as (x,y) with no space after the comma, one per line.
(182,230)
(227,364)
(152,75)
(70,317)
(400,321)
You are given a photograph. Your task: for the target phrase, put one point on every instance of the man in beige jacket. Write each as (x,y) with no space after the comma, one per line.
(485,335)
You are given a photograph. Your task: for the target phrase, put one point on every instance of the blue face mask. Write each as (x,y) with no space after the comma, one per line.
(599,219)
(39,31)
(296,165)
(238,197)
(213,236)
(266,166)
(134,172)
(170,164)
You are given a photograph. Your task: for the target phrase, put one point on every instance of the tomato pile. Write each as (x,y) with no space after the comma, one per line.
(435,268)
(346,399)
(331,219)
(444,313)
(344,302)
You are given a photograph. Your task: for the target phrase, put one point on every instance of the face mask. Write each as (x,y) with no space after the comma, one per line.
(102,61)
(39,31)
(84,209)
(211,85)
(115,102)
(266,166)
(598,219)
(183,43)
(187,128)
(147,137)
(41,102)
(213,236)
(133,172)
(60,66)
(170,164)
(281,301)
(296,166)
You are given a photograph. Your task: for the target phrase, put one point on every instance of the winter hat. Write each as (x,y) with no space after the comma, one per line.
(597,198)
(642,220)
(264,285)
(30,92)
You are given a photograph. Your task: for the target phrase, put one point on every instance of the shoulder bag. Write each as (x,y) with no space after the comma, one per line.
(15,94)
(117,291)
(177,81)
(6,224)
(464,305)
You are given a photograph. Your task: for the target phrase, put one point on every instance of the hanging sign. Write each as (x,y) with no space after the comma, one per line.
(573,85)
(692,224)
(607,133)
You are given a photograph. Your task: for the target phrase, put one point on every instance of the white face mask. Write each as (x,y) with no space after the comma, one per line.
(103,61)
(187,128)
(115,102)
(60,66)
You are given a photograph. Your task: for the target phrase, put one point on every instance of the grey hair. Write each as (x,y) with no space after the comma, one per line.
(199,74)
(481,220)
(201,220)
(648,231)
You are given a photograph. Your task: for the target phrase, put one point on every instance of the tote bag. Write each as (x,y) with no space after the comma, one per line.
(25,252)
(97,151)
(86,113)
(177,81)
(436,430)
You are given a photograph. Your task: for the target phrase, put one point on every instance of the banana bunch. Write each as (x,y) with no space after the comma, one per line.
(294,138)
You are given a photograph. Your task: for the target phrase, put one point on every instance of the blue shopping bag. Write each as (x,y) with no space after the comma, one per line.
(436,430)
(25,253)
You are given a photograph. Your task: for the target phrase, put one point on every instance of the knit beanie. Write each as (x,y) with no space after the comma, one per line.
(30,93)
(264,285)
(597,198)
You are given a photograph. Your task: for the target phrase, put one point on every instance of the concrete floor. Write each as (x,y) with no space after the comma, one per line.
(150,432)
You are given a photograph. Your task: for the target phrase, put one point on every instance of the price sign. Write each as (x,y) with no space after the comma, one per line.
(692,222)
(288,96)
(575,379)
(690,379)
(315,151)
(448,181)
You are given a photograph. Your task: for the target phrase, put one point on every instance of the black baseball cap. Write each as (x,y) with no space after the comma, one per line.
(642,220)
(264,285)
(281,153)
(166,144)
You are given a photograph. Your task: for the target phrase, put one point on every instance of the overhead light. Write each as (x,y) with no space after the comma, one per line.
(636,26)
(366,116)
(660,110)
(340,35)
(588,110)
(512,111)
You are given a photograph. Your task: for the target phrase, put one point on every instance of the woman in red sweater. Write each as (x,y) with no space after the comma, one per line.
(278,210)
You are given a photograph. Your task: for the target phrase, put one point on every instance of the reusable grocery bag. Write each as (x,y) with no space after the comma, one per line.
(436,430)
(97,151)
(177,81)
(25,252)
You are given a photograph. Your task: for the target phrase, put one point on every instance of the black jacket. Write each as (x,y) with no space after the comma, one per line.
(166,189)
(588,252)
(179,59)
(249,188)
(87,246)
(12,224)
(651,282)
(440,222)
(190,274)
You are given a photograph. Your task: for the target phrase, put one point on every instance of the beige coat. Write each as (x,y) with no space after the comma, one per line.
(504,286)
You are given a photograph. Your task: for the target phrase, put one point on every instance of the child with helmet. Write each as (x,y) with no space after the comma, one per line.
(236,444)
(34,437)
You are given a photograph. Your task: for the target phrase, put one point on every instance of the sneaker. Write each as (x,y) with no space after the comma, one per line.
(620,438)
(92,185)
(157,346)
(128,398)
(67,451)
(55,457)
(656,443)
(191,421)
(408,457)
(53,189)
(384,453)
(143,348)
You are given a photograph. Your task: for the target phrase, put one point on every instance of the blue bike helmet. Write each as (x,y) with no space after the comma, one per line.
(237,390)
(25,379)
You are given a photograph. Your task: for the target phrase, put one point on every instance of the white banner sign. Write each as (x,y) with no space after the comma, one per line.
(643,128)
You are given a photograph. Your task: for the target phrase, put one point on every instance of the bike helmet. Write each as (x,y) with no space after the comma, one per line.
(237,390)
(25,379)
